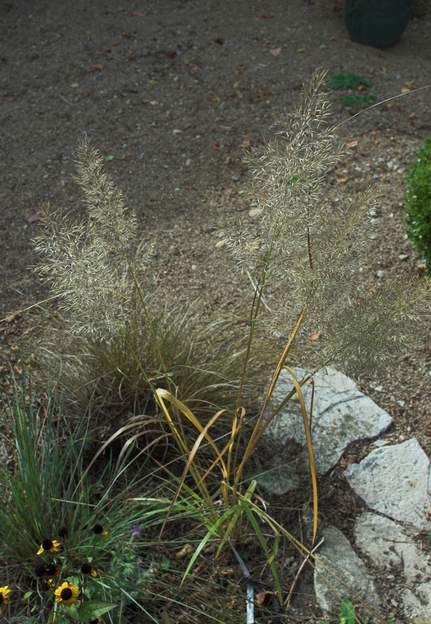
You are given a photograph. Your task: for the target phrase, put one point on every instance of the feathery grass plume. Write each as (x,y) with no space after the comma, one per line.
(115,335)
(89,264)
(309,249)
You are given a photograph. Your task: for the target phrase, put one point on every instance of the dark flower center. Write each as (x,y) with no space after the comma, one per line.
(86,568)
(1,598)
(66,593)
(47,544)
(98,528)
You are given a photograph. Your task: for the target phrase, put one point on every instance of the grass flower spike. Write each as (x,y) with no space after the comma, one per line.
(49,545)
(4,595)
(67,594)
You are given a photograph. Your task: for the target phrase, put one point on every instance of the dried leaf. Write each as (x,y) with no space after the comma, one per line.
(408,86)
(341,179)
(262,598)
(185,551)
(352,144)
(96,67)
(314,336)
(246,143)
(31,217)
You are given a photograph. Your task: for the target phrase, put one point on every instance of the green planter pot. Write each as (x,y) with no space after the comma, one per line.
(377,23)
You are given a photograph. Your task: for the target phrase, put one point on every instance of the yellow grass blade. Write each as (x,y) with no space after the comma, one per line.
(261,424)
(190,460)
(161,396)
(310,449)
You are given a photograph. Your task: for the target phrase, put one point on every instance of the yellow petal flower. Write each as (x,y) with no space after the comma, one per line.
(49,545)
(4,594)
(67,593)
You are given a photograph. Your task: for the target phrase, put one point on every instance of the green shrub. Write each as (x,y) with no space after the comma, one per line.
(418,203)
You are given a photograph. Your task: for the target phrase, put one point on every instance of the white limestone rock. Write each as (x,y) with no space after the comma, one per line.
(340,574)
(394,480)
(341,415)
(392,547)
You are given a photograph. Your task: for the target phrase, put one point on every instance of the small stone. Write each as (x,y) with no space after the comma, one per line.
(219,244)
(403,257)
(380,274)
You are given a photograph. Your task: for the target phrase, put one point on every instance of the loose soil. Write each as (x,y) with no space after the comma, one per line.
(172,92)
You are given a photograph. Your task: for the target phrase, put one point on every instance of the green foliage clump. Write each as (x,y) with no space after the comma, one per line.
(358,101)
(62,528)
(348,81)
(418,203)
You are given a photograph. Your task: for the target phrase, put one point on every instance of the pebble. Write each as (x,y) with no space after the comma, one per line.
(220,244)
(380,274)
(403,256)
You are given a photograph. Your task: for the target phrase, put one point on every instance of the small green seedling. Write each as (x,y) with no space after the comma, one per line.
(348,81)
(358,101)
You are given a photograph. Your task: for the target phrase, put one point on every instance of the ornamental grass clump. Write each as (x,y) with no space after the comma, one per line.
(418,203)
(309,250)
(114,335)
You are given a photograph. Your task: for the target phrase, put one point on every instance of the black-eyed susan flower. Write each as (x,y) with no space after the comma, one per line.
(67,593)
(4,595)
(99,530)
(47,569)
(49,545)
(88,570)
